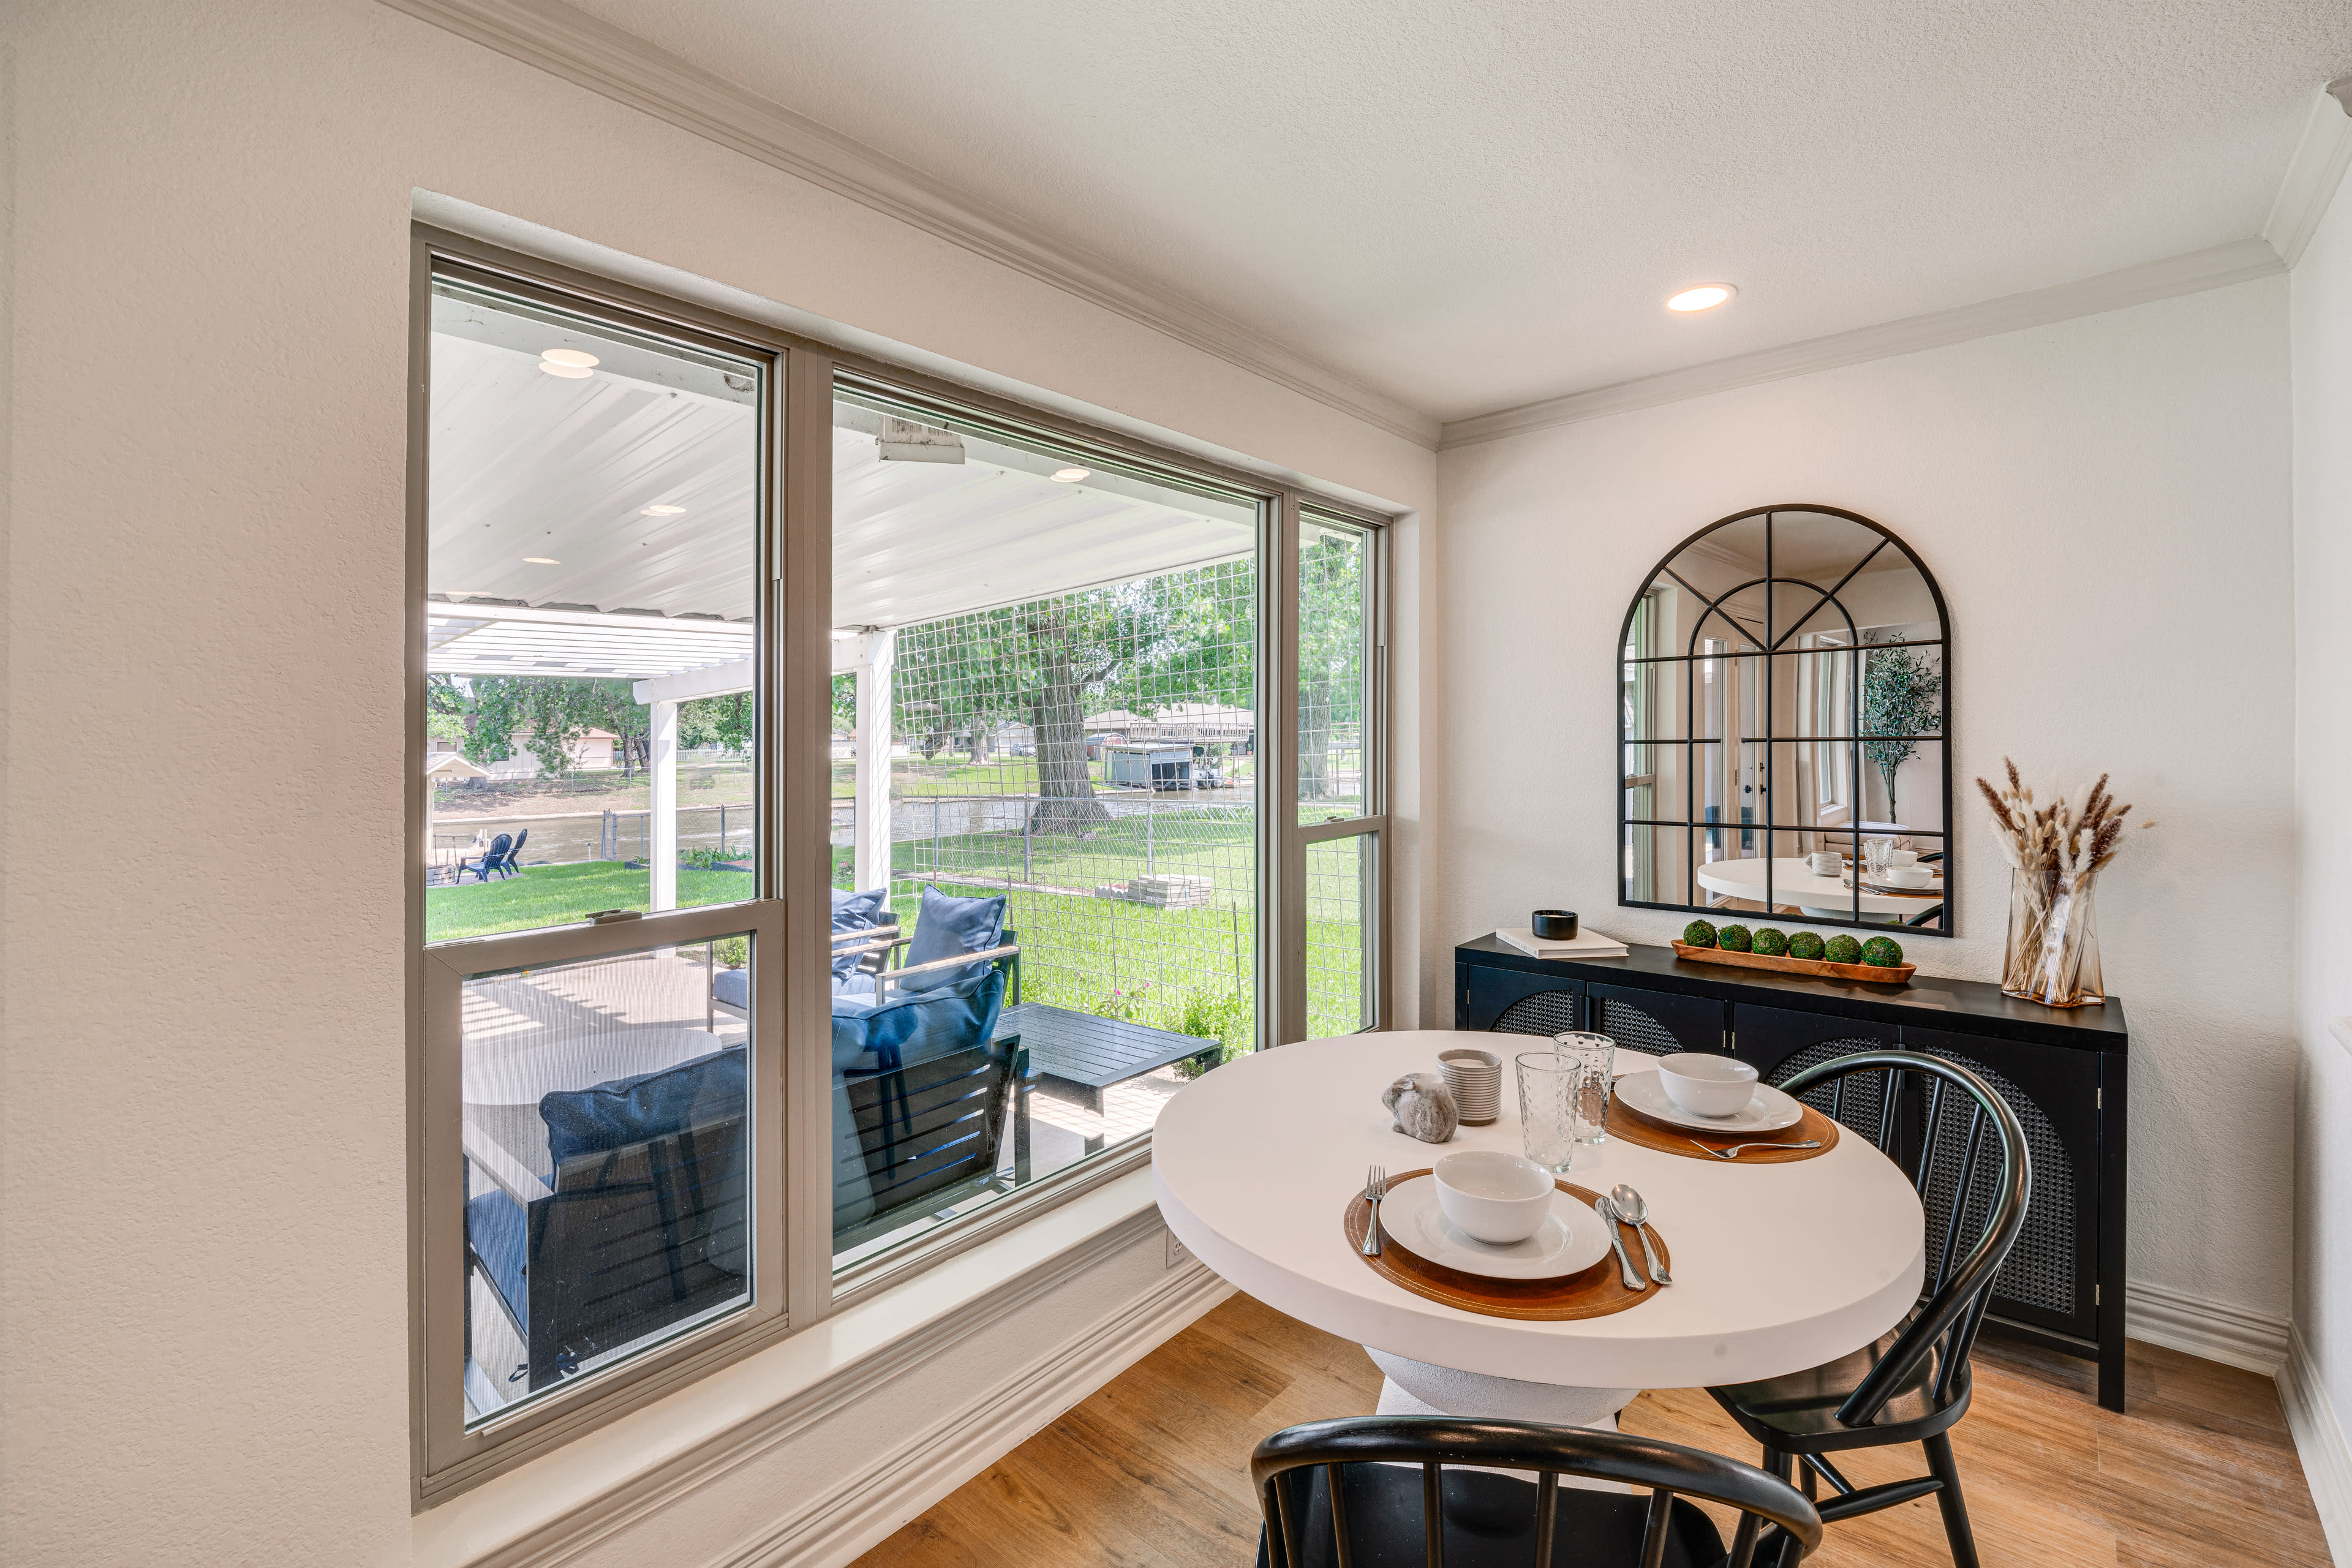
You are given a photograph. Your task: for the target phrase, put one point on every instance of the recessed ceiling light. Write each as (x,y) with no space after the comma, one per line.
(579,357)
(664,511)
(1070,476)
(542,560)
(568,372)
(1705,297)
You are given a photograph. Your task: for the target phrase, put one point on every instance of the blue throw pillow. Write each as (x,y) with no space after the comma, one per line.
(949,926)
(855,912)
(628,1110)
(915,1026)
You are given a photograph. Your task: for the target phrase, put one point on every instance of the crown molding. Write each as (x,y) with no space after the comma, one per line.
(593,54)
(2314,174)
(2236,262)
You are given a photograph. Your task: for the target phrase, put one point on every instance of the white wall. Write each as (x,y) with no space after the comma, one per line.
(2322,338)
(2104,504)
(205,1210)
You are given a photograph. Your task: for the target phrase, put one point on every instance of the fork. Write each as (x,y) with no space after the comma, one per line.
(1733,1152)
(1376,1187)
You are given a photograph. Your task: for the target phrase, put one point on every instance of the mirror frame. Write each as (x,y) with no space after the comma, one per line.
(1942,643)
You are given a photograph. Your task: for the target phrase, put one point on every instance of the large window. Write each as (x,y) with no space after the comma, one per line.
(1337,706)
(1045,741)
(602,1089)
(1081,741)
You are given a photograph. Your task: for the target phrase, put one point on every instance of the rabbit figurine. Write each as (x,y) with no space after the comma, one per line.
(1422,1107)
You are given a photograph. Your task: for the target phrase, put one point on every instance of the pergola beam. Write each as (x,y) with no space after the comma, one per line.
(711,680)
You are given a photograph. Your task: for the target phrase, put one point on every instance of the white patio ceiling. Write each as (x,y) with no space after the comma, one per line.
(528,464)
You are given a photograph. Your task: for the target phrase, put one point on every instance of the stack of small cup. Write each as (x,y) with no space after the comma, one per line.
(1476,1079)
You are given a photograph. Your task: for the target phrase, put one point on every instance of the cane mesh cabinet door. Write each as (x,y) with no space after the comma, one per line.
(1658,1022)
(2048,1280)
(1779,1044)
(1517,1002)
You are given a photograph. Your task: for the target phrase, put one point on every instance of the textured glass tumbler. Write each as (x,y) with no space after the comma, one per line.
(1548,1082)
(1591,1103)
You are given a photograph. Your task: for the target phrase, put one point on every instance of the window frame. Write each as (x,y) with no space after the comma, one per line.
(1371,821)
(791,992)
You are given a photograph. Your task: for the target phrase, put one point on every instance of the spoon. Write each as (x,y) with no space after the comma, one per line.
(1636,1213)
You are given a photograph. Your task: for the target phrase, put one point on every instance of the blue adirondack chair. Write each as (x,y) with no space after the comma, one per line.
(495,859)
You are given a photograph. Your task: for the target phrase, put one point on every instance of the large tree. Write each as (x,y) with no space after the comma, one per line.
(1180,636)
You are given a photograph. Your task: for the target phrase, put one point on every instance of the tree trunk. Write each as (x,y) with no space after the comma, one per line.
(1066,802)
(1314,741)
(980,744)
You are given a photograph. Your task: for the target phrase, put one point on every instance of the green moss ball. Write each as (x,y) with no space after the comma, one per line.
(1771,941)
(1804,944)
(1882,953)
(1843,949)
(1698,933)
(1734,939)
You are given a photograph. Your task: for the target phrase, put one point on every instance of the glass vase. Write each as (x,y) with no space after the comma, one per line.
(2053,944)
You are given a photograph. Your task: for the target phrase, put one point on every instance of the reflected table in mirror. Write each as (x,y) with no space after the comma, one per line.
(1816,897)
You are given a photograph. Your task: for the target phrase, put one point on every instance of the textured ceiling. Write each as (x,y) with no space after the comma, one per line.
(1472,205)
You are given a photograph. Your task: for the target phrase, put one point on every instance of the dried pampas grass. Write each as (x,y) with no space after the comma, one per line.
(2056,852)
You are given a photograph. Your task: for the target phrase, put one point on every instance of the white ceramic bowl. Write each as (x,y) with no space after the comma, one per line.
(1903,857)
(1909,876)
(1492,1196)
(1706,1084)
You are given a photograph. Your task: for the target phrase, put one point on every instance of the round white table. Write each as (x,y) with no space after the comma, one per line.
(1823,898)
(1777,1266)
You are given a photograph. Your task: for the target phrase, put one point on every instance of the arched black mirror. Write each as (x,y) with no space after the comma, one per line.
(1781,713)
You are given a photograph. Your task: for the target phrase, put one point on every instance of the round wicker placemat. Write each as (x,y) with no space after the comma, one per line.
(1631,1125)
(1595,1292)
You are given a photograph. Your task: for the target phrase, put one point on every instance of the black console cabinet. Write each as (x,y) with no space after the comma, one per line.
(2063,1072)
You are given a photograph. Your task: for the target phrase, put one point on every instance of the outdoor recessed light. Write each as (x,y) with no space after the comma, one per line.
(1705,297)
(1070,476)
(542,560)
(664,511)
(579,357)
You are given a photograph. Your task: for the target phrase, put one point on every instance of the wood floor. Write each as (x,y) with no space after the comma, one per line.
(1153,1469)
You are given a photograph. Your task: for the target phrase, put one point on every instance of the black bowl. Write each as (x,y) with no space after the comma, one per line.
(1555,925)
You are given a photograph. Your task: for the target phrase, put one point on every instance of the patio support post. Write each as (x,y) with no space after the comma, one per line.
(873,778)
(662,774)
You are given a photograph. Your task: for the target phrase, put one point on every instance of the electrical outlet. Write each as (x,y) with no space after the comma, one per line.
(1178,1254)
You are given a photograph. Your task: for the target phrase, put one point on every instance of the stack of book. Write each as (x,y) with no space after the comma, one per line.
(1583,944)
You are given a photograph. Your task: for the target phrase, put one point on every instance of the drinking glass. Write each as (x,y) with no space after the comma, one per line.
(1598,1055)
(1876,854)
(1548,1082)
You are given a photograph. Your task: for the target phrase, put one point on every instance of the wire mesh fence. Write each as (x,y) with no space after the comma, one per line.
(1091,757)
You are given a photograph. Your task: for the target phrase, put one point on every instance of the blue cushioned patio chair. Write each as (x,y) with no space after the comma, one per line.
(924,1095)
(638,1225)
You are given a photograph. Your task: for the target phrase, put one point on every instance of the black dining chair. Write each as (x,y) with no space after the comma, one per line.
(1399,1501)
(1912,1384)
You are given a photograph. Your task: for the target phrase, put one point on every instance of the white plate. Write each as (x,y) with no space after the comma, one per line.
(1571,1239)
(1768,1110)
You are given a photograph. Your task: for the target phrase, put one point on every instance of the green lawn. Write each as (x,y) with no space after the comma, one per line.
(1190,970)
(558,895)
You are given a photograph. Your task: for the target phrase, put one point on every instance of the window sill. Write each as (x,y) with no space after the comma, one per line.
(644,1458)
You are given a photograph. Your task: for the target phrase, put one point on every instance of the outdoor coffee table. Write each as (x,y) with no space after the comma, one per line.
(1086,1054)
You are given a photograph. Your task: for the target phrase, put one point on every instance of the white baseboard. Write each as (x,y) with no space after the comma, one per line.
(863,1510)
(2319,1443)
(2231,1335)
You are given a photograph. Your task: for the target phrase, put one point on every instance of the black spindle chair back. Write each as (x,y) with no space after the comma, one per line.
(1574,1526)
(1892,1395)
